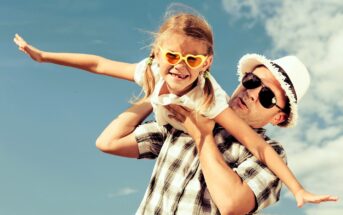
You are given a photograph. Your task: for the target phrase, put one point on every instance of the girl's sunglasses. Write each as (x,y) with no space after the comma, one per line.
(266,96)
(173,58)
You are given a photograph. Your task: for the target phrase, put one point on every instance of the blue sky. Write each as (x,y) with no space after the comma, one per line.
(51,115)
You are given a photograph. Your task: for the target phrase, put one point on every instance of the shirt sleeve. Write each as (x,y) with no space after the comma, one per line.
(150,138)
(141,68)
(221,102)
(265,185)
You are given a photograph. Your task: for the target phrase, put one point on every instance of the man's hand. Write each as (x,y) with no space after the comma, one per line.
(196,125)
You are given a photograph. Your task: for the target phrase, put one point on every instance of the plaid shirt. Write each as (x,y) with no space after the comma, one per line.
(177,185)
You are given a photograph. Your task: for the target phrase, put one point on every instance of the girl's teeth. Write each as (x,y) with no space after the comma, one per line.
(179,76)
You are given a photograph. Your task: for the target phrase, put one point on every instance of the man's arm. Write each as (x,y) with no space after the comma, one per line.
(118,137)
(228,191)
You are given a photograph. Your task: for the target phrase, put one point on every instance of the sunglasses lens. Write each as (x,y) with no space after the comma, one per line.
(267,97)
(172,58)
(194,61)
(251,81)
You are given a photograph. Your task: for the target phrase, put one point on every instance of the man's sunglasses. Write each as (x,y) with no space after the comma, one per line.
(266,96)
(173,58)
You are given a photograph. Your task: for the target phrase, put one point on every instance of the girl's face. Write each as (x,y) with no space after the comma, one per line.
(179,78)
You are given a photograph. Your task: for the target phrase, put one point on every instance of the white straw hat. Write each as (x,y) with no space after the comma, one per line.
(290,72)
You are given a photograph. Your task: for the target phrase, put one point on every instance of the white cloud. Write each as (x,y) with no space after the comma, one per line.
(327,210)
(315,135)
(319,160)
(312,30)
(250,9)
(125,191)
(305,27)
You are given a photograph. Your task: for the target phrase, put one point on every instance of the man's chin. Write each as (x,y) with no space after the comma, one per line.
(239,111)
(236,105)
(236,109)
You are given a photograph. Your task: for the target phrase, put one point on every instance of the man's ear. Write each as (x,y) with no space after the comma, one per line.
(278,118)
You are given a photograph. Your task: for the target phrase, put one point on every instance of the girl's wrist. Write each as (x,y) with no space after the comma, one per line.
(203,138)
(298,190)
(43,57)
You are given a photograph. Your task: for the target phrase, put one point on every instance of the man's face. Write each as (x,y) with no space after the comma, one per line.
(245,102)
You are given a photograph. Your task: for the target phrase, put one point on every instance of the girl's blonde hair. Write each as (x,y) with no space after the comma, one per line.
(189,25)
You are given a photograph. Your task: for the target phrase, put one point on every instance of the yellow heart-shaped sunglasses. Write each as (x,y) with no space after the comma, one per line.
(173,58)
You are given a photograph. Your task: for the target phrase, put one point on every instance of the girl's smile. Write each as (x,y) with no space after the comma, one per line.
(178,76)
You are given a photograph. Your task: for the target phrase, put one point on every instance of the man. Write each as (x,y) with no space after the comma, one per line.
(209,173)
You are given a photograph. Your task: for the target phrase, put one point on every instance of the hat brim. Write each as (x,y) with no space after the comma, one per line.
(249,61)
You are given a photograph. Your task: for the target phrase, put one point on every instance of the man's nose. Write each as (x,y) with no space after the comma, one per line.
(253,93)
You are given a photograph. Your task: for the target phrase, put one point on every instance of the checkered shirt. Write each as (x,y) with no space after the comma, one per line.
(177,185)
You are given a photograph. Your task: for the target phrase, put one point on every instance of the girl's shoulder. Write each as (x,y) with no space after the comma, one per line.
(214,82)
(141,68)
(218,90)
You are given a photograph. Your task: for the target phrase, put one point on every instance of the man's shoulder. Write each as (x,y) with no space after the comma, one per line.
(150,128)
(225,138)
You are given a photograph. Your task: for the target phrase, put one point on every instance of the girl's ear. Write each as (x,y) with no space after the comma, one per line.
(157,54)
(155,51)
(208,62)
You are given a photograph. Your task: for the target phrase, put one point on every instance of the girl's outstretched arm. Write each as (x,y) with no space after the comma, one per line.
(91,63)
(265,153)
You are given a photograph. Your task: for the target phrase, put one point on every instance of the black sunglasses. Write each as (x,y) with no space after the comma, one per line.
(266,96)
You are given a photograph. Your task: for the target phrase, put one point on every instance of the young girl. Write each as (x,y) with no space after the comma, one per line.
(177,72)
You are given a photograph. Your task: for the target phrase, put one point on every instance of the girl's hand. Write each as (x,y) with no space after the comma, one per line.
(197,125)
(302,197)
(23,46)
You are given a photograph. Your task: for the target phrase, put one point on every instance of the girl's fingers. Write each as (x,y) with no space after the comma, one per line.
(19,41)
(179,109)
(328,198)
(324,198)
(16,41)
(331,198)
(176,115)
(178,118)
(170,109)
(186,109)
(18,37)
